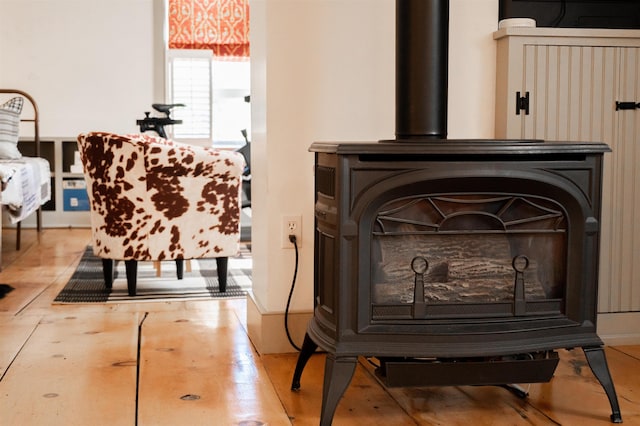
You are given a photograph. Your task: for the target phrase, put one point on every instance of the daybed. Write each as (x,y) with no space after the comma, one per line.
(25,181)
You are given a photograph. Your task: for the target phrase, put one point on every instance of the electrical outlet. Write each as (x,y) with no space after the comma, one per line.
(291,225)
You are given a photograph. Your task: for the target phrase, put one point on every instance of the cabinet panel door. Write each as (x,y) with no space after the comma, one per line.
(621,258)
(573,92)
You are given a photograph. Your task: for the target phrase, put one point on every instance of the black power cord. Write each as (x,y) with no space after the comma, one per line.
(293,239)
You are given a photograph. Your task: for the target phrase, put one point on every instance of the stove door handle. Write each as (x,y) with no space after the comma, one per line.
(627,105)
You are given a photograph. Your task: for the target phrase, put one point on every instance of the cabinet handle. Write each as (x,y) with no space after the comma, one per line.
(627,105)
(522,103)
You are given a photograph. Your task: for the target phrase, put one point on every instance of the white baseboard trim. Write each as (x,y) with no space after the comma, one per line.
(267,332)
(619,328)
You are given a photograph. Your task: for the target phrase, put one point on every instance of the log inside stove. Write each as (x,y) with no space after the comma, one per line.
(488,291)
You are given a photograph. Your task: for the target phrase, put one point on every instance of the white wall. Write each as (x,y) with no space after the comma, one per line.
(323,70)
(328,70)
(472,68)
(90,64)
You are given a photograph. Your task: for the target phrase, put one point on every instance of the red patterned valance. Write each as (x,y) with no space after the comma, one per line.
(219,25)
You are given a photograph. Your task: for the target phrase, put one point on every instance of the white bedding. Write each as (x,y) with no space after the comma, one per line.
(26,185)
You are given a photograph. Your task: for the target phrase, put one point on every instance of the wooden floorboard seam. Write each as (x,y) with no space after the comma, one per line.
(35,298)
(631,355)
(138,362)
(17,354)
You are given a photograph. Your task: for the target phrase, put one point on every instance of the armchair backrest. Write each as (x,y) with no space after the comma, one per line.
(154,199)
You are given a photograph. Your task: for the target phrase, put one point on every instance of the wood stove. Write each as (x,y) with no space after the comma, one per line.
(452,261)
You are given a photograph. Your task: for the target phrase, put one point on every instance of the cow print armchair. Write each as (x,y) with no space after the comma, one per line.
(152,199)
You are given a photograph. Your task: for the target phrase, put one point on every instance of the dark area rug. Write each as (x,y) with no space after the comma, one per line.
(86,285)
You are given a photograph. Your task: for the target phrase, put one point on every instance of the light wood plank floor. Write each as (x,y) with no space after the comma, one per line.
(191,363)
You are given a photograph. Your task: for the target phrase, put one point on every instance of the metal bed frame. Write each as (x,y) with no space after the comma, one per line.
(36,138)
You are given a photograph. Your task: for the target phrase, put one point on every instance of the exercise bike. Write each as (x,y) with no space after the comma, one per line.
(157,124)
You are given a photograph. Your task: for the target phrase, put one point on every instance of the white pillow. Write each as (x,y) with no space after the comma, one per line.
(9,128)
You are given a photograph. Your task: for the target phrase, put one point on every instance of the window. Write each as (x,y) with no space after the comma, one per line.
(215,94)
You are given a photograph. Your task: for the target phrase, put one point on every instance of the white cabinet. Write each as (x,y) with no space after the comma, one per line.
(569,80)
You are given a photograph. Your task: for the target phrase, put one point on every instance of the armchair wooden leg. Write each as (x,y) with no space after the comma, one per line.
(221,265)
(156,264)
(131,267)
(107,272)
(180,268)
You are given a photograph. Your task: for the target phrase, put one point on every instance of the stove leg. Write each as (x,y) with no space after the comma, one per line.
(338,372)
(308,348)
(598,363)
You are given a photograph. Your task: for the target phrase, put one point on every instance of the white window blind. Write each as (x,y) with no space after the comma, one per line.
(190,84)
(214,93)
